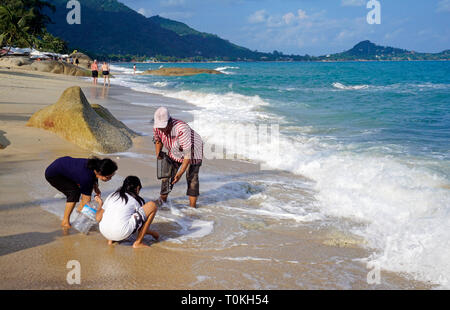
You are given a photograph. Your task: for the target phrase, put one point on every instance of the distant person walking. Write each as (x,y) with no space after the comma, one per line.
(77,62)
(105,72)
(76,177)
(94,69)
(185,151)
(134,68)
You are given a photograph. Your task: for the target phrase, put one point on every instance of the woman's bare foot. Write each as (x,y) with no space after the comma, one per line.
(138,245)
(110,242)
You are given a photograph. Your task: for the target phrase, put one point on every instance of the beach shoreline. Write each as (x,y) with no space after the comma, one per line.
(34,251)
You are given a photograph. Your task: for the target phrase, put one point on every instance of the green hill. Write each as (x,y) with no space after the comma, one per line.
(177,27)
(366,50)
(109,27)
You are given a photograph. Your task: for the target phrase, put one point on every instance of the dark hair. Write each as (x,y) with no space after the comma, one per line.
(105,166)
(130,186)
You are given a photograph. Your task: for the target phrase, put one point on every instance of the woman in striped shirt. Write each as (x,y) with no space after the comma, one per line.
(185,149)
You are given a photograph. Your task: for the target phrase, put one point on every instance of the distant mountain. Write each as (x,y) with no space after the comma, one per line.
(366,50)
(109,27)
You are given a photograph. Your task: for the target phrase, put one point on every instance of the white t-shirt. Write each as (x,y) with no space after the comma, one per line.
(118,222)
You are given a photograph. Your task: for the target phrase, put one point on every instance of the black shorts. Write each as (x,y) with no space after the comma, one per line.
(65,186)
(105,72)
(94,73)
(193,185)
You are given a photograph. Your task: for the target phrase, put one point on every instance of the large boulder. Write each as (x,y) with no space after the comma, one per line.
(85,60)
(106,115)
(179,71)
(15,61)
(59,67)
(75,120)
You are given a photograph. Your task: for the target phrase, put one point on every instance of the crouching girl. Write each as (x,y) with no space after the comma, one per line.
(124,213)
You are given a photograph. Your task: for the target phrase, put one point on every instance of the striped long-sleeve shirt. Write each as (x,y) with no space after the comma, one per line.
(182,142)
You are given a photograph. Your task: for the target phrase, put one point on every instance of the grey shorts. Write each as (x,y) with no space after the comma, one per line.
(193,185)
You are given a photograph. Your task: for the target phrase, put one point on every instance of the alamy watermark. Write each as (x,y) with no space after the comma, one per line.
(74,15)
(374,15)
(244,141)
(74,275)
(374,275)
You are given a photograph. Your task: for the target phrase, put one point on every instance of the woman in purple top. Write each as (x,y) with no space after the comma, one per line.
(76,177)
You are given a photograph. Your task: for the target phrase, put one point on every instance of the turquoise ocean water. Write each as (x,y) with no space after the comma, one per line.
(373,138)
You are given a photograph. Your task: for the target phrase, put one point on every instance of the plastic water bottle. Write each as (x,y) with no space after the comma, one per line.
(85,219)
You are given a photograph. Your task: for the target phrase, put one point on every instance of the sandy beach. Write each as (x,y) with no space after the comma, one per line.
(34,251)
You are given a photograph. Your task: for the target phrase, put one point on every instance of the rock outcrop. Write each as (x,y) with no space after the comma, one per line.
(15,61)
(52,66)
(179,71)
(85,60)
(59,67)
(92,128)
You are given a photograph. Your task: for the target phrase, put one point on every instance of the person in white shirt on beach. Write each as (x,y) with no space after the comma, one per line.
(124,212)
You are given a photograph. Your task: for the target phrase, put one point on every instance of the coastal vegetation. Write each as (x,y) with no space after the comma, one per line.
(23,24)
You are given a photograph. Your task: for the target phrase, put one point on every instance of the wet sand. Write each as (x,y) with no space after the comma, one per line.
(34,251)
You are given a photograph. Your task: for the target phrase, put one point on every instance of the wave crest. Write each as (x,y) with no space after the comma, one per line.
(352,87)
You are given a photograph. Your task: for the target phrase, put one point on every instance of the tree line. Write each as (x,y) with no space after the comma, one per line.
(23,24)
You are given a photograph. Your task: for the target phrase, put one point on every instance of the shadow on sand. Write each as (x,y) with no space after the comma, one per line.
(19,242)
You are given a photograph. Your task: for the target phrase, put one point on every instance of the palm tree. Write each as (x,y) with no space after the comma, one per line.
(15,27)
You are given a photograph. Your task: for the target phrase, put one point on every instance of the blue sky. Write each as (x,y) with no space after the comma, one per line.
(314,27)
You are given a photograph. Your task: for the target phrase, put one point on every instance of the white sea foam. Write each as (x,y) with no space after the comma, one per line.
(189,227)
(122,70)
(224,69)
(160,84)
(403,205)
(352,87)
(411,87)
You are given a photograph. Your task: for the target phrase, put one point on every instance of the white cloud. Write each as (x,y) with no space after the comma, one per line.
(258,17)
(295,31)
(144,12)
(443,6)
(289,18)
(353,2)
(301,14)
